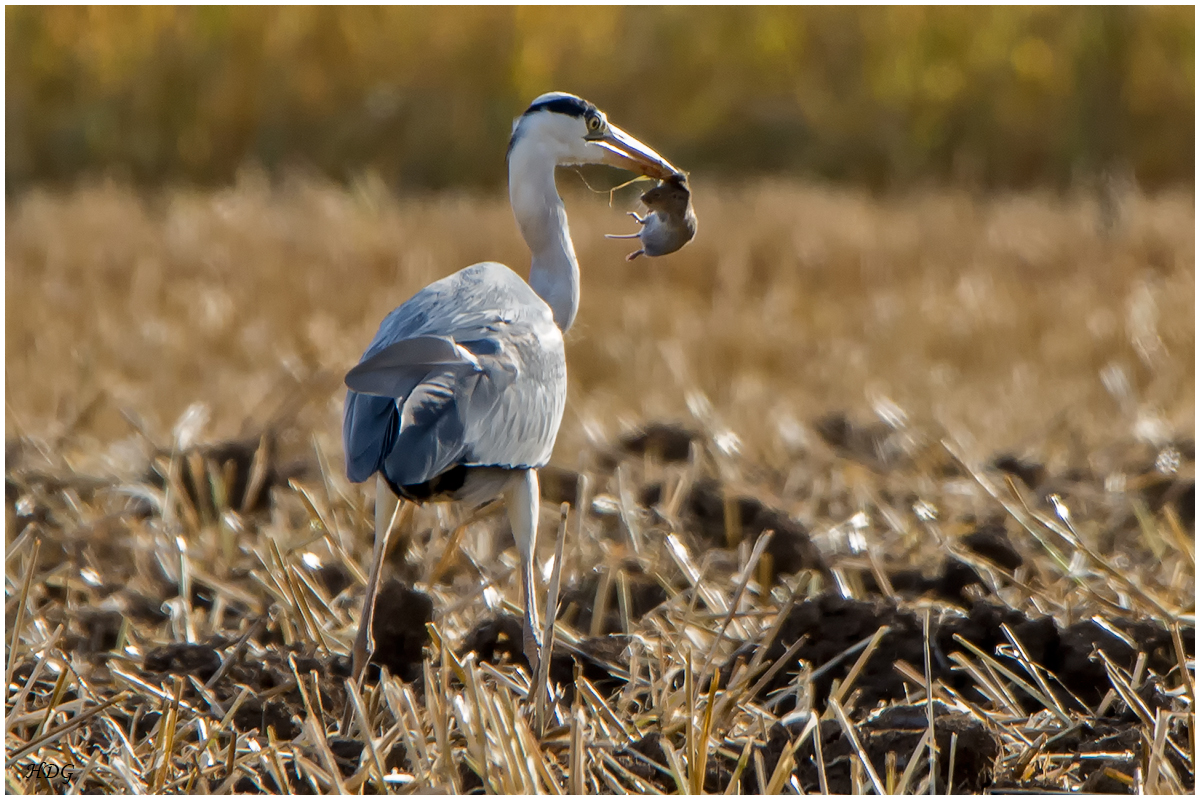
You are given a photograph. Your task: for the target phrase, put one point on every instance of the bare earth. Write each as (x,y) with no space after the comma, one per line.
(840,457)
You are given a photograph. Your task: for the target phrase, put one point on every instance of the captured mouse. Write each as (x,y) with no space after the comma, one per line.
(671,222)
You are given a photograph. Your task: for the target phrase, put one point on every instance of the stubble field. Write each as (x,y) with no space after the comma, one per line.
(860,475)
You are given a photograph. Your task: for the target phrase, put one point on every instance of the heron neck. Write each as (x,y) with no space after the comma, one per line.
(542,218)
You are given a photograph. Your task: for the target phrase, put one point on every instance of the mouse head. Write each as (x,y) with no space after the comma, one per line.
(670,195)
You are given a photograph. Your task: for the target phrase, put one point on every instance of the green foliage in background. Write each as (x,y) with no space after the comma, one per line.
(426,96)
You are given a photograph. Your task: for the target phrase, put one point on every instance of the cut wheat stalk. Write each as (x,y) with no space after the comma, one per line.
(19,623)
(852,735)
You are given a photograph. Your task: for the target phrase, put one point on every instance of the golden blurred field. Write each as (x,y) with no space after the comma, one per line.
(997,97)
(947,327)
(998,316)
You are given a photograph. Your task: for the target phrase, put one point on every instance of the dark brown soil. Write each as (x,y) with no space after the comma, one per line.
(832,624)
(988,540)
(558,485)
(398,627)
(254,713)
(897,730)
(703,513)
(667,441)
(200,660)
(236,459)
(1030,473)
(577,603)
(497,640)
(875,445)
(101,629)
(827,626)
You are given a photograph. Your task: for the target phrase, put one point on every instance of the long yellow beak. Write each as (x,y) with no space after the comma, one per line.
(625,152)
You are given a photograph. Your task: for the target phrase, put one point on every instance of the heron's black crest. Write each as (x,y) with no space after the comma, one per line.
(567,104)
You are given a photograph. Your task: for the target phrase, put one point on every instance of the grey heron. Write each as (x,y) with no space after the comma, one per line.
(460,394)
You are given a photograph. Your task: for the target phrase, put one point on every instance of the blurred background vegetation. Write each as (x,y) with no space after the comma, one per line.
(425,97)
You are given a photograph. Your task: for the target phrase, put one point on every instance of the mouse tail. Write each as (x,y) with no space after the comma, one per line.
(621,235)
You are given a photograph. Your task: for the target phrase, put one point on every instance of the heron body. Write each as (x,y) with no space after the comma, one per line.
(486,393)
(460,394)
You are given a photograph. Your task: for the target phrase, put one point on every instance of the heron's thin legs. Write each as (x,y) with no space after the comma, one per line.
(364,644)
(523,499)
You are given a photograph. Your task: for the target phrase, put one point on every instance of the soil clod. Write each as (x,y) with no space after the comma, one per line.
(602,659)
(665,440)
(1031,473)
(876,445)
(991,541)
(102,629)
(578,604)
(181,658)
(255,713)
(704,513)
(398,626)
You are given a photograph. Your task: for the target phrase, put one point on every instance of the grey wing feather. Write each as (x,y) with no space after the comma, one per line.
(470,370)
(369,430)
(431,433)
(399,368)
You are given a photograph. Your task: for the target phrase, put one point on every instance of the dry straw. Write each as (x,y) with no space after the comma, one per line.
(793,300)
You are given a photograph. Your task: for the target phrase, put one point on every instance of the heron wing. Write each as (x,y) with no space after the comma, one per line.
(470,370)
(400,367)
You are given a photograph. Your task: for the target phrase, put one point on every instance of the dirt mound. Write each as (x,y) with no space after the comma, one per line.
(718,518)
(398,627)
(831,626)
(201,660)
(602,659)
(578,603)
(892,735)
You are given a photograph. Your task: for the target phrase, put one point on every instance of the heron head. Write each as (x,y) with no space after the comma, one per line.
(571,130)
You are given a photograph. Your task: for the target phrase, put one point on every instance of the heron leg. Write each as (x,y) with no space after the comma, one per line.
(523,500)
(364,643)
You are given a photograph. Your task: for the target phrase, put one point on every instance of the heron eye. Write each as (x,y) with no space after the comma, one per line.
(594,123)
